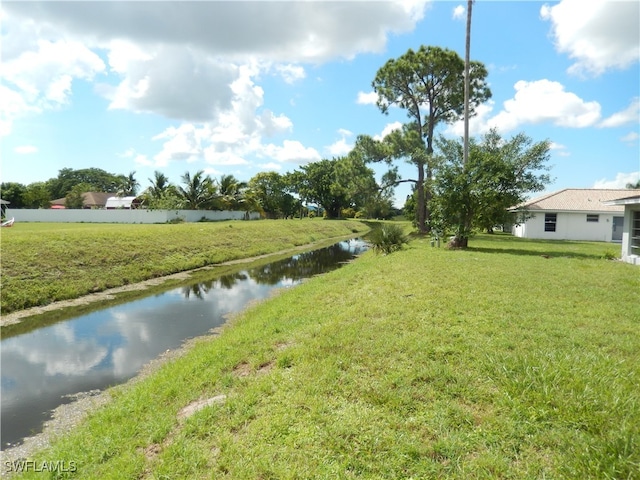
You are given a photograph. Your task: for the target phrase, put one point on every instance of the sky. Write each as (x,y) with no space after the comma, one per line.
(246,87)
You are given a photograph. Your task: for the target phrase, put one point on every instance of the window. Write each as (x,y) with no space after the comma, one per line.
(635,233)
(593,218)
(550,220)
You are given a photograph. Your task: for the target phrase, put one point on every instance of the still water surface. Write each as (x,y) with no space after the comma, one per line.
(43,368)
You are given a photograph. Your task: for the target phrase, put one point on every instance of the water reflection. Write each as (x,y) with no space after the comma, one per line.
(42,367)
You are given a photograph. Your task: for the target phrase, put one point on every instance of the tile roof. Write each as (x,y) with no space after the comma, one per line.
(89,199)
(579,200)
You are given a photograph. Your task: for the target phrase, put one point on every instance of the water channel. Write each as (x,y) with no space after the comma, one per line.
(46,367)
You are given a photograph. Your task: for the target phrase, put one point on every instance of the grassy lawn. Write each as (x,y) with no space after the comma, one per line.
(514,359)
(46,262)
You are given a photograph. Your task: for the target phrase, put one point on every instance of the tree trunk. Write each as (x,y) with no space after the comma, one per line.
(421,201)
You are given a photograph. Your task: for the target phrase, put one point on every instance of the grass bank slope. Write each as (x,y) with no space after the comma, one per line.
(47,262)
(513,359)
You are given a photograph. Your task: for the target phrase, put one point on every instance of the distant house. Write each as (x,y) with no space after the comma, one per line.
(122,202)
(574,214)
(631,231)
(89,200)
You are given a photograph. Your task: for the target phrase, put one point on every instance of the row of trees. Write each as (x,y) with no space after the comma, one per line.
(340,187)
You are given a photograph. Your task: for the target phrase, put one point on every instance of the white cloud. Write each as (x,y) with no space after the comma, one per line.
(291,73)
(25,149)
(291,151)
(630,137)
(270,166)
(203,77)
(182,143)
(161,85)
(388,128)
(621,180)
(341,147)
(541,101)
(560,150)
(143,160)
(38,74)
(370,98)
(631,114)
(284,32)
(459,12)
(598,34)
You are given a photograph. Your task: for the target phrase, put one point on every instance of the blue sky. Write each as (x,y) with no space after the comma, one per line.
(244,87)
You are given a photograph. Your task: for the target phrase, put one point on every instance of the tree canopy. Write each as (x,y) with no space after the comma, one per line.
(429,85)
(498,175)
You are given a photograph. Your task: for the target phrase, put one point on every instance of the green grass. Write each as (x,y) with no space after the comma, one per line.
(514,359)
(43,263)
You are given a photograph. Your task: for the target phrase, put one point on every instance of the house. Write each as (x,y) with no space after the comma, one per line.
(573,214)
(631,231)
(122,202)
(89,200)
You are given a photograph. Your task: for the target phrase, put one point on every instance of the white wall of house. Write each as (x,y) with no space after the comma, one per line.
(123,215)
(569,226)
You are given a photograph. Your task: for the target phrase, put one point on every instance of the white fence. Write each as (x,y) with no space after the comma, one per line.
(125,216)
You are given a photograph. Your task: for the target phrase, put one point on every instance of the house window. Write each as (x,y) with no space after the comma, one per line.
(593,218)
(635,233)
(550,220)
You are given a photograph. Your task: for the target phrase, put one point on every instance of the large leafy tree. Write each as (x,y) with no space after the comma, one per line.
(498,175)
(37,195)
(336,184)
(98,179)
(13,192)
(429,85)
(199,191)
(269,191)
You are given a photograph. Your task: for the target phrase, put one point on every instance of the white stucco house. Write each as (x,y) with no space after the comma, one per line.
(574,214)
(631,230)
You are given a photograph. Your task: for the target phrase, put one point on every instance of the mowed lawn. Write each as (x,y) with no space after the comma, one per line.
(46,262)
(514,359)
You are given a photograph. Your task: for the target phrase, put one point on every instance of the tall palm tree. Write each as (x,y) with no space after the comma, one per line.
(231,191)
(199,191)
(128,186)
(465,155)
(159,184)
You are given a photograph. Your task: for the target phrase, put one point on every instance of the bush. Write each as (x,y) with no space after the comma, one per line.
(387,238)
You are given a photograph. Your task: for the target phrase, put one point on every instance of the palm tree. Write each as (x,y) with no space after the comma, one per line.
(465,157)
(128,186)
(199,191)
(159,184)
(231,191)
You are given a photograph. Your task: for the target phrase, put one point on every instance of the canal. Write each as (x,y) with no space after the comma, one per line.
(47,367)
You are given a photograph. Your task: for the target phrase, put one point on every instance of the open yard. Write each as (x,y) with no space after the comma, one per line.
(514,359)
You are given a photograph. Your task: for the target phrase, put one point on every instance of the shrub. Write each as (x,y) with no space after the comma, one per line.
(387,238)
